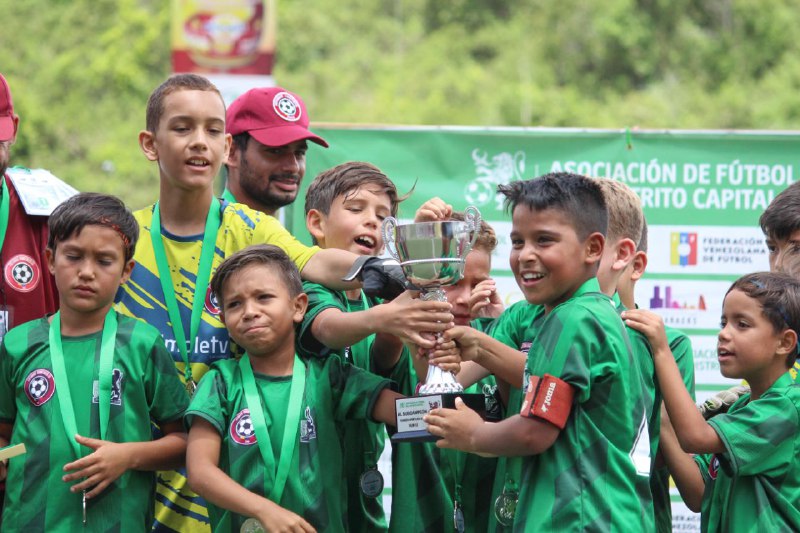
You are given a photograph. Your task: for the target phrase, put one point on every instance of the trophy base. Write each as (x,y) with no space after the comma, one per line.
(411,427)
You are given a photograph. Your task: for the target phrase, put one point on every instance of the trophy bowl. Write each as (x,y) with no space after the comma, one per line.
(432,255)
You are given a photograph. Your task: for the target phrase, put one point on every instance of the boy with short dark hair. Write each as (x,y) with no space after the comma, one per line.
(345,208)
(583,423)
(90,379)
(743,474)
(188,232)
(265,439)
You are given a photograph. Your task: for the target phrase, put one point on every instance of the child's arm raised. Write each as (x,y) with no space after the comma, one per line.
(694,433)
(207,480)
(109,460)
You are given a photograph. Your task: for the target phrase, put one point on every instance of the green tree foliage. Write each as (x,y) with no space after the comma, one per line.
(81,70)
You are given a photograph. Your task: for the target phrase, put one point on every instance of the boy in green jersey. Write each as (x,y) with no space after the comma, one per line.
(187,233)
(345,207)
(428,483)
(80,388)
(582,428)
(745,475)
(280,462)
(681,348)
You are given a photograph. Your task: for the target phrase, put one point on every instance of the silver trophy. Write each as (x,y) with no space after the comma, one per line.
(432,255)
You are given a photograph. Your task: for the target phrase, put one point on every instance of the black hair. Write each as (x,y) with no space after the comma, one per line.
(90,208)
(578,197)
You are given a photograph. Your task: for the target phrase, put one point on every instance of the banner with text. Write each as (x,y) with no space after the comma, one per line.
(702,194)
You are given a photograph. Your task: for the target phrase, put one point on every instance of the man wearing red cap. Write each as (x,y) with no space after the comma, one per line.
(267,159)
(27,290)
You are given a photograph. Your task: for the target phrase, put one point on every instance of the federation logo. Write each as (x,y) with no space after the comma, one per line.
(287,107)
(40,386)
(683,249)
(212,304)
(242,430)
(22,273)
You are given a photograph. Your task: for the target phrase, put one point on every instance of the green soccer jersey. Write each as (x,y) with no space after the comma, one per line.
(334,392)
(516,327)
(364,439)
(754,485)
(145,386)
(596,474)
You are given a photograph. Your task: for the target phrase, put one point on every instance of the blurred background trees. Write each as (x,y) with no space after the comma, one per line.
(81,70)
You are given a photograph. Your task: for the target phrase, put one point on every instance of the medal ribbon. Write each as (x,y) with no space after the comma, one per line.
(290,430)
(5,202)
(107,343)
(201,282)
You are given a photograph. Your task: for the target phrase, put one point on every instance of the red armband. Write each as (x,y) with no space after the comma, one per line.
(548,398)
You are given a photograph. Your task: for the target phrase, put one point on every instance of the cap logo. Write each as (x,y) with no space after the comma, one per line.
(287,107)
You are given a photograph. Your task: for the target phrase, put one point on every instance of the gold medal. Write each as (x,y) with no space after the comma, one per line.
(191,387)
(251,525)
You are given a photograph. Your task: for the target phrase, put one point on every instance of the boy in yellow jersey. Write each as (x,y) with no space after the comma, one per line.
(186,235)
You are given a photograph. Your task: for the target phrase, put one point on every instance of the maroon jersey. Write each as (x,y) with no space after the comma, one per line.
(27,289)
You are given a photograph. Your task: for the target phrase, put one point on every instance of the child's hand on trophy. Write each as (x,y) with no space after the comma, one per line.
(456,427)
(433,210)
(446,355)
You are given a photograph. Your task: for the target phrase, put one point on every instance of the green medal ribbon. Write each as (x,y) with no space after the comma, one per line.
(291,429)
(5,202)
(201,282)
(105,371)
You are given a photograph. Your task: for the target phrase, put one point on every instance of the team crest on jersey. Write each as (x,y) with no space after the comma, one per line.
(22,273)
(308,429)
(116,388)
(287,107)
(713,467)
(242,429)
(40,386)
(212,304)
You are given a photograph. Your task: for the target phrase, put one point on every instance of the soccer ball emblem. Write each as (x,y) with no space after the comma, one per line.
(286,106)
(39,386)
(22,273)
(478,193)
(242,430)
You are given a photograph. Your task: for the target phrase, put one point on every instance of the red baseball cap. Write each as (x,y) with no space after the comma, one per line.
(6,111)
(271,115)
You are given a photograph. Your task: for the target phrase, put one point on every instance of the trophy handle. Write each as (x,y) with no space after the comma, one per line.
(472,217)
(388,230)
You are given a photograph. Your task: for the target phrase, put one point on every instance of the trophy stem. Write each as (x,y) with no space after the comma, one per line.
(438,381)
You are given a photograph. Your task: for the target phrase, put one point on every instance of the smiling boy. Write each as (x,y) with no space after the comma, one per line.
(187,234)
(582,428)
